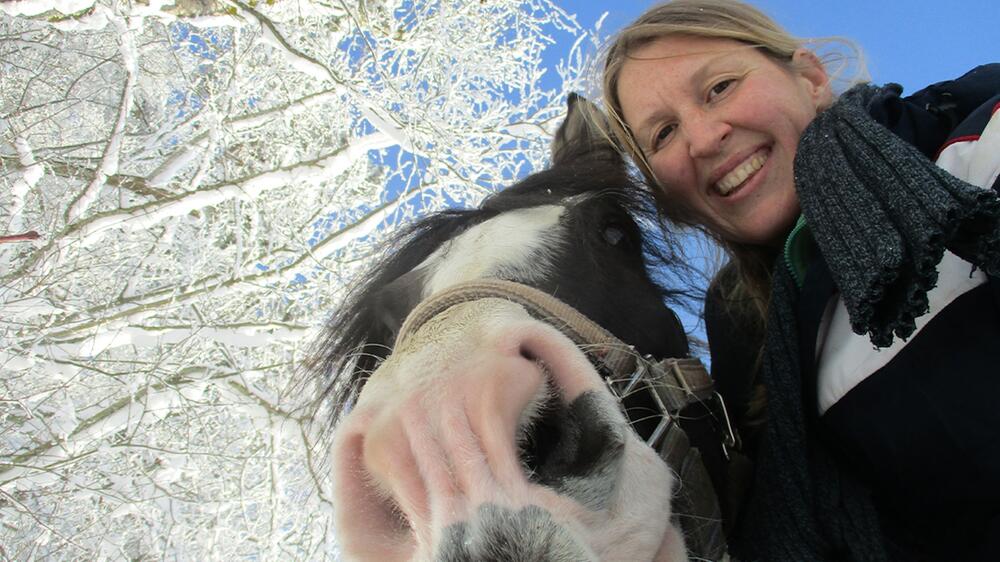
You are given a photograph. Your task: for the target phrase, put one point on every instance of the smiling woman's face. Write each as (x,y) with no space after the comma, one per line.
(719,122)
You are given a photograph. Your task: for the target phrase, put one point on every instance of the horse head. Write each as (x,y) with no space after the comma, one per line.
(485,433)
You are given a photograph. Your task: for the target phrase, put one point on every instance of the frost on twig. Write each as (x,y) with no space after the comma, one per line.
(186,189)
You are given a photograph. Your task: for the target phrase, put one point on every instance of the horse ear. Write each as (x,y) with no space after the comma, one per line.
(584,133)
(394,302)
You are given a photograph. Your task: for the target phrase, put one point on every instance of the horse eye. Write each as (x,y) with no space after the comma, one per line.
(613,235)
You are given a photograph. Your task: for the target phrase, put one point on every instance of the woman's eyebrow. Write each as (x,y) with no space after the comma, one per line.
(710,65)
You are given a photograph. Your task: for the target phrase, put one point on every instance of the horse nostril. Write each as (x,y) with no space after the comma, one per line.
(576,449)
(394,514)
(540,439)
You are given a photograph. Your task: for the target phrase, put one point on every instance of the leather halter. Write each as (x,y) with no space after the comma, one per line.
(673,385)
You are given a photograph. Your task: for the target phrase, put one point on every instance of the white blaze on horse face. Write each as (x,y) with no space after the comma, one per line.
(516,245)
(426,466)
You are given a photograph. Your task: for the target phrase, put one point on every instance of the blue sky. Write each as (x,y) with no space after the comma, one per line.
(913,43)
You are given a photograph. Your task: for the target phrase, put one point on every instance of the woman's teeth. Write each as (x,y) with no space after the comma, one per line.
(739,175)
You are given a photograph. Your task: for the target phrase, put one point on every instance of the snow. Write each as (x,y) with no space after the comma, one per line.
(38,7)
(237,336)
(394,132)
(11,362)
(146,216)
(23,308)
(109,163)
(252,121)
(30,175)
(93,21)
(364,227)
(174,165)
(291,58)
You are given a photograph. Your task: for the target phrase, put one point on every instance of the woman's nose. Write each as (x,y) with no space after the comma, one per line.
(706,135)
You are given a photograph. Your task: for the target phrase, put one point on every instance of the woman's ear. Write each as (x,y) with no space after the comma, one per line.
(815,78)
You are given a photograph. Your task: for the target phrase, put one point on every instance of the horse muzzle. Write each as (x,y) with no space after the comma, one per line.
(488,434)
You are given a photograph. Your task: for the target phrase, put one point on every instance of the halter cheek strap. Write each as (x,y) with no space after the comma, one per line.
(693,434)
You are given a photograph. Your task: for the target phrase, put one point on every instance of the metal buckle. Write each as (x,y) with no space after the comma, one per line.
(621,388)
(630,384)
(731,439)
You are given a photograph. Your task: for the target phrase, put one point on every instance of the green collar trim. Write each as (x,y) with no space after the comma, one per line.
(798,247)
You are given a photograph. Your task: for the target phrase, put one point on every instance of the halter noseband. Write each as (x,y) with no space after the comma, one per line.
(673,385)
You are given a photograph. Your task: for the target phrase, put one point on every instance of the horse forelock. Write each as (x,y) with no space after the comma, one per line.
(518,245)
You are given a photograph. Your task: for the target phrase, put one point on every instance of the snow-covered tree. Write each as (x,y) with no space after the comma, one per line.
(185,190)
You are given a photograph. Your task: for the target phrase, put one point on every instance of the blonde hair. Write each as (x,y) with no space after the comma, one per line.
(722,19)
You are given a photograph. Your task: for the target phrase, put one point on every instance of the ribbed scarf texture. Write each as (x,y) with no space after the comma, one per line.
(882,215)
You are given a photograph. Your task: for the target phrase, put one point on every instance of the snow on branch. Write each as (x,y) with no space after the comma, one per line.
(302,175)
(109,160)
(187,190)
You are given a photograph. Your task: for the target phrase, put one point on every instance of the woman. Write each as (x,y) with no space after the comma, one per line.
(842,234)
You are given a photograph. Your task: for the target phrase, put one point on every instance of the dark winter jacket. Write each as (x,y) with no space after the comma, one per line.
(883,444)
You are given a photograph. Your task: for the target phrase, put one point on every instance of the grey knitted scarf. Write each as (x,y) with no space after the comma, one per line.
(882,215)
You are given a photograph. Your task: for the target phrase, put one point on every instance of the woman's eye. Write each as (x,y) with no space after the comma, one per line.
(662,135)
(719,88)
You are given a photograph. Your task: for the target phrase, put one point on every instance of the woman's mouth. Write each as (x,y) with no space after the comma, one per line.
(740,174)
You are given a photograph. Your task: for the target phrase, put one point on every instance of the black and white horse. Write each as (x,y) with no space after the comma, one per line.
(486,434)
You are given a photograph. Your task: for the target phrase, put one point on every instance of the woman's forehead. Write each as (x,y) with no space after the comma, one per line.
(680,63)
(687,50)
